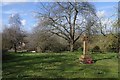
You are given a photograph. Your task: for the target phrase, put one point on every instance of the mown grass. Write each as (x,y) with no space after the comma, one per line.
(59,65)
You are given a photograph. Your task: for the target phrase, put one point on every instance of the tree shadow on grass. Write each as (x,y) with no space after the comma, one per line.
(40,66)
(95,60)
(16,65)
(8,56)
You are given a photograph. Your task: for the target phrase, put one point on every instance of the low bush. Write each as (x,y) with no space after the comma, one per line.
(96,49)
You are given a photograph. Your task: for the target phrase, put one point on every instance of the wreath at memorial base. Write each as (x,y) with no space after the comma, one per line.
(86,59)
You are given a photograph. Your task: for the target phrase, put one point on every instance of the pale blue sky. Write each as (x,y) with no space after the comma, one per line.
(25,10)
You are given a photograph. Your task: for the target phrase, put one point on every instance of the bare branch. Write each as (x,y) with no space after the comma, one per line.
(78,36)
(58,34)
(60,25)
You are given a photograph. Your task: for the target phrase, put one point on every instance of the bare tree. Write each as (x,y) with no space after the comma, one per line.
(67,19)
(13,34)
(6,44)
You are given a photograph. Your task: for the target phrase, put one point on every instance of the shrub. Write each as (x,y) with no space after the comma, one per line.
(80,49)
(77,45)
(96,49)
(56,47)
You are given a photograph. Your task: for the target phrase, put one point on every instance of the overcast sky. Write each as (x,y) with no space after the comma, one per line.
(25,10)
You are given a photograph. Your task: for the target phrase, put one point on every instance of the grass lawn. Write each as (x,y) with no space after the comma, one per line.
(59,65)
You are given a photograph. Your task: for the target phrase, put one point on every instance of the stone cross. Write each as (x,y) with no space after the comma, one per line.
(85,45)
(85,58)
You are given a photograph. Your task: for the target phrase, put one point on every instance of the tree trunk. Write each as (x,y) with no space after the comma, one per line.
(15,48)
(71,46)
